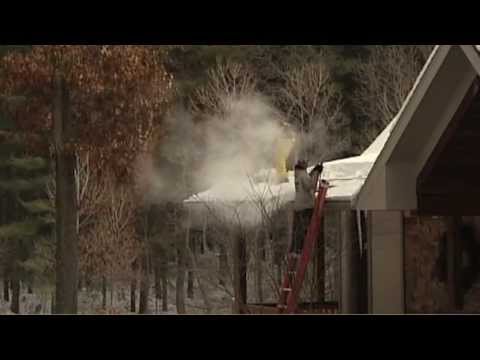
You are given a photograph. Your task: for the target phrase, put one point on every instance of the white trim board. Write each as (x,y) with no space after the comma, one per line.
(442,84)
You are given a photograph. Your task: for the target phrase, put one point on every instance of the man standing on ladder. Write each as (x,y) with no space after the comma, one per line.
(308,211)
(305,186)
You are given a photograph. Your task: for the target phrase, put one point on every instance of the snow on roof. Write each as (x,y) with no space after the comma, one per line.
(377,146)
(244,201)
(346,176)
(245,189)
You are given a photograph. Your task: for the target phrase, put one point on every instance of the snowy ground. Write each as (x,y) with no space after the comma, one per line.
(90,302)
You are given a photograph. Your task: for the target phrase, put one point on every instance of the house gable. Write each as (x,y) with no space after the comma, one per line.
(424,117)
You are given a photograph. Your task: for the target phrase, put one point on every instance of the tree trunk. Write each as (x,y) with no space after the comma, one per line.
(52,303)
(144,285)
(190,275)
(3,221)
(181,270)
(203,241)
(15,282)
(164,275)
(278,274)
(203,291)
(104,293)
(88,282)
(259,252)
(133,296)
(15,305)
(145,265)
(6,290)
(222,265)
(240,273)
(262,241)
(158,283)
(66,205)
(112,295)
(190,289)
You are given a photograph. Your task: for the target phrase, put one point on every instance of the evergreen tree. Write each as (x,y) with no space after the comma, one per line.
(26,217)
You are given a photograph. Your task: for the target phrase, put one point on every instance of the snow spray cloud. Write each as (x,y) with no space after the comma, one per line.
(164,180)
(235,145)
(240,142)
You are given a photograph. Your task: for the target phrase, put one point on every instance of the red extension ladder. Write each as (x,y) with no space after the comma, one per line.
(296,269)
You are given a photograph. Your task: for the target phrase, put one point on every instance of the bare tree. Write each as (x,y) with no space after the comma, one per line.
(109,244)
(227,80)
(314,106)
(203,290)
(385,79)
(265,242)
(90,191)
(90,194)
(182,246)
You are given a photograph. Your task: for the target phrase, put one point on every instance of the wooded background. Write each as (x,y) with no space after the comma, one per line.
(82,127)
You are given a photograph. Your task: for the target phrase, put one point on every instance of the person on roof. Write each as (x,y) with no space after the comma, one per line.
(305,186)
(283,147)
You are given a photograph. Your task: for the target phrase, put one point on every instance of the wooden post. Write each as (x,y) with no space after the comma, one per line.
(338,258)
(362,274)
(350,263)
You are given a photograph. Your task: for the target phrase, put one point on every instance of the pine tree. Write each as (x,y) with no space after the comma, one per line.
(76,94)
(26,217)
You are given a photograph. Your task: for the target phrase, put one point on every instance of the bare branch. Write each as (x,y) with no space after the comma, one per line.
(227,80)
(314,106)
(385,80)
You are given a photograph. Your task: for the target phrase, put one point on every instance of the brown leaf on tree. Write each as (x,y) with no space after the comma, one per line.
(118,95)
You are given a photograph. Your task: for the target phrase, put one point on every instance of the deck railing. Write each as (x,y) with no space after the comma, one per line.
(329,308)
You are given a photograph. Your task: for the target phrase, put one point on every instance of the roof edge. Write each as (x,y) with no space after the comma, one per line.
(473,55)
(425,77)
